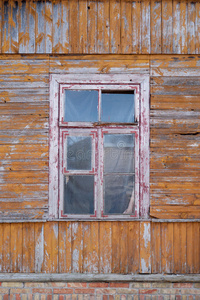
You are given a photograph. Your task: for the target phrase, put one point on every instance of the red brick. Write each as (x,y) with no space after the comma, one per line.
(151,291)
(111,297)
(61,297)
(106,291)
(63,291)
(183,285)
(77,284)
(42,291)
(6,297)
(98,284)
(178,297)
(119,284)
(105,297)
(17,297)
(0,283)
(19,291)
(49,297)
(84,291)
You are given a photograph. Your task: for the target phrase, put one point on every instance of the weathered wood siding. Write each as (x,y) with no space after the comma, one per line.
(175,137)
(100,27)
(104,26)
(97,247)
(175,130)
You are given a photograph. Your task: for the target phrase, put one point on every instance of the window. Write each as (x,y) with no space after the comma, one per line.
(99,146)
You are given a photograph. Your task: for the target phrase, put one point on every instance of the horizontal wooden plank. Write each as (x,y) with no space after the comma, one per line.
(20,108)
(175,212)
(175,187)
(188,81)
(99,66)
(23,137)
(21,122)
(21,214)
(175,90)
(170,71)
(174,175)
(175,61)
(25,78)
(175,133)
(11,190)
(190,149)
(175,162)
(24,165)
(162,198)
(24,95)
(22,177)
(24,66)
(27,151)
(38,203)
(16,95)
(175,102)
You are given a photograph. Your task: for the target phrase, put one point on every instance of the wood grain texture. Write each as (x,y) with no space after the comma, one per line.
(142,247)
(103,26)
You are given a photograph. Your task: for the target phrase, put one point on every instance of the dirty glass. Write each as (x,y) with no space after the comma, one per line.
(81,106)
(118,191)
(79,194)
(118,153)
(117,107)
(79,152)
(119,175)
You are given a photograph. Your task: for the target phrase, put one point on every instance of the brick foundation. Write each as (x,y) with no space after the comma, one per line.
(99,291)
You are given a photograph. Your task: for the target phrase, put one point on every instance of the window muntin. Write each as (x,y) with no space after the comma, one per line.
(86,110)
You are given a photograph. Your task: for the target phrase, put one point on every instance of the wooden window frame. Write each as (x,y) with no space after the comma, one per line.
(58,128)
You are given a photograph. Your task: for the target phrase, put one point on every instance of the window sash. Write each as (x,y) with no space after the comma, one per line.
(97,170)
(99,88)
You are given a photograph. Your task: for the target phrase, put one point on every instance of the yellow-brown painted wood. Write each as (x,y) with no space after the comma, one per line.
(53,247)
(64,26)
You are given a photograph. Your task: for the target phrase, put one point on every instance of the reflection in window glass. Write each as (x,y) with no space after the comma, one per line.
(119,174)
(81,106)
(118,153)
(79,150)
(119,191)
(117,107)
(79,194)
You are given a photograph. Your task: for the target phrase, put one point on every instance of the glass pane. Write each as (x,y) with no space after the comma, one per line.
(81,106)
(119,153)
(79,194)
(119,194)
(118,107)
(79,152)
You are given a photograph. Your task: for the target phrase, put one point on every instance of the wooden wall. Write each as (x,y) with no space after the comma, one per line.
(100,247)
(174,138)
(104,26)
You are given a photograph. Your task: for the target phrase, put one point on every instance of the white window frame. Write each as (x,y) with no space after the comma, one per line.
(137,82)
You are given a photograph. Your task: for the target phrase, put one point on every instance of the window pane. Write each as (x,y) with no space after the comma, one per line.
(118,153)
(79,194)
(79,152)
(81,106)
(118,107)
(118,194)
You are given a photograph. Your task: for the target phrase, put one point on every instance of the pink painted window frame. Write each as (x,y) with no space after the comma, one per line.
(138,82)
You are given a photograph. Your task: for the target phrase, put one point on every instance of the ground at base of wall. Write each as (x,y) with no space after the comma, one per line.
(99,291)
